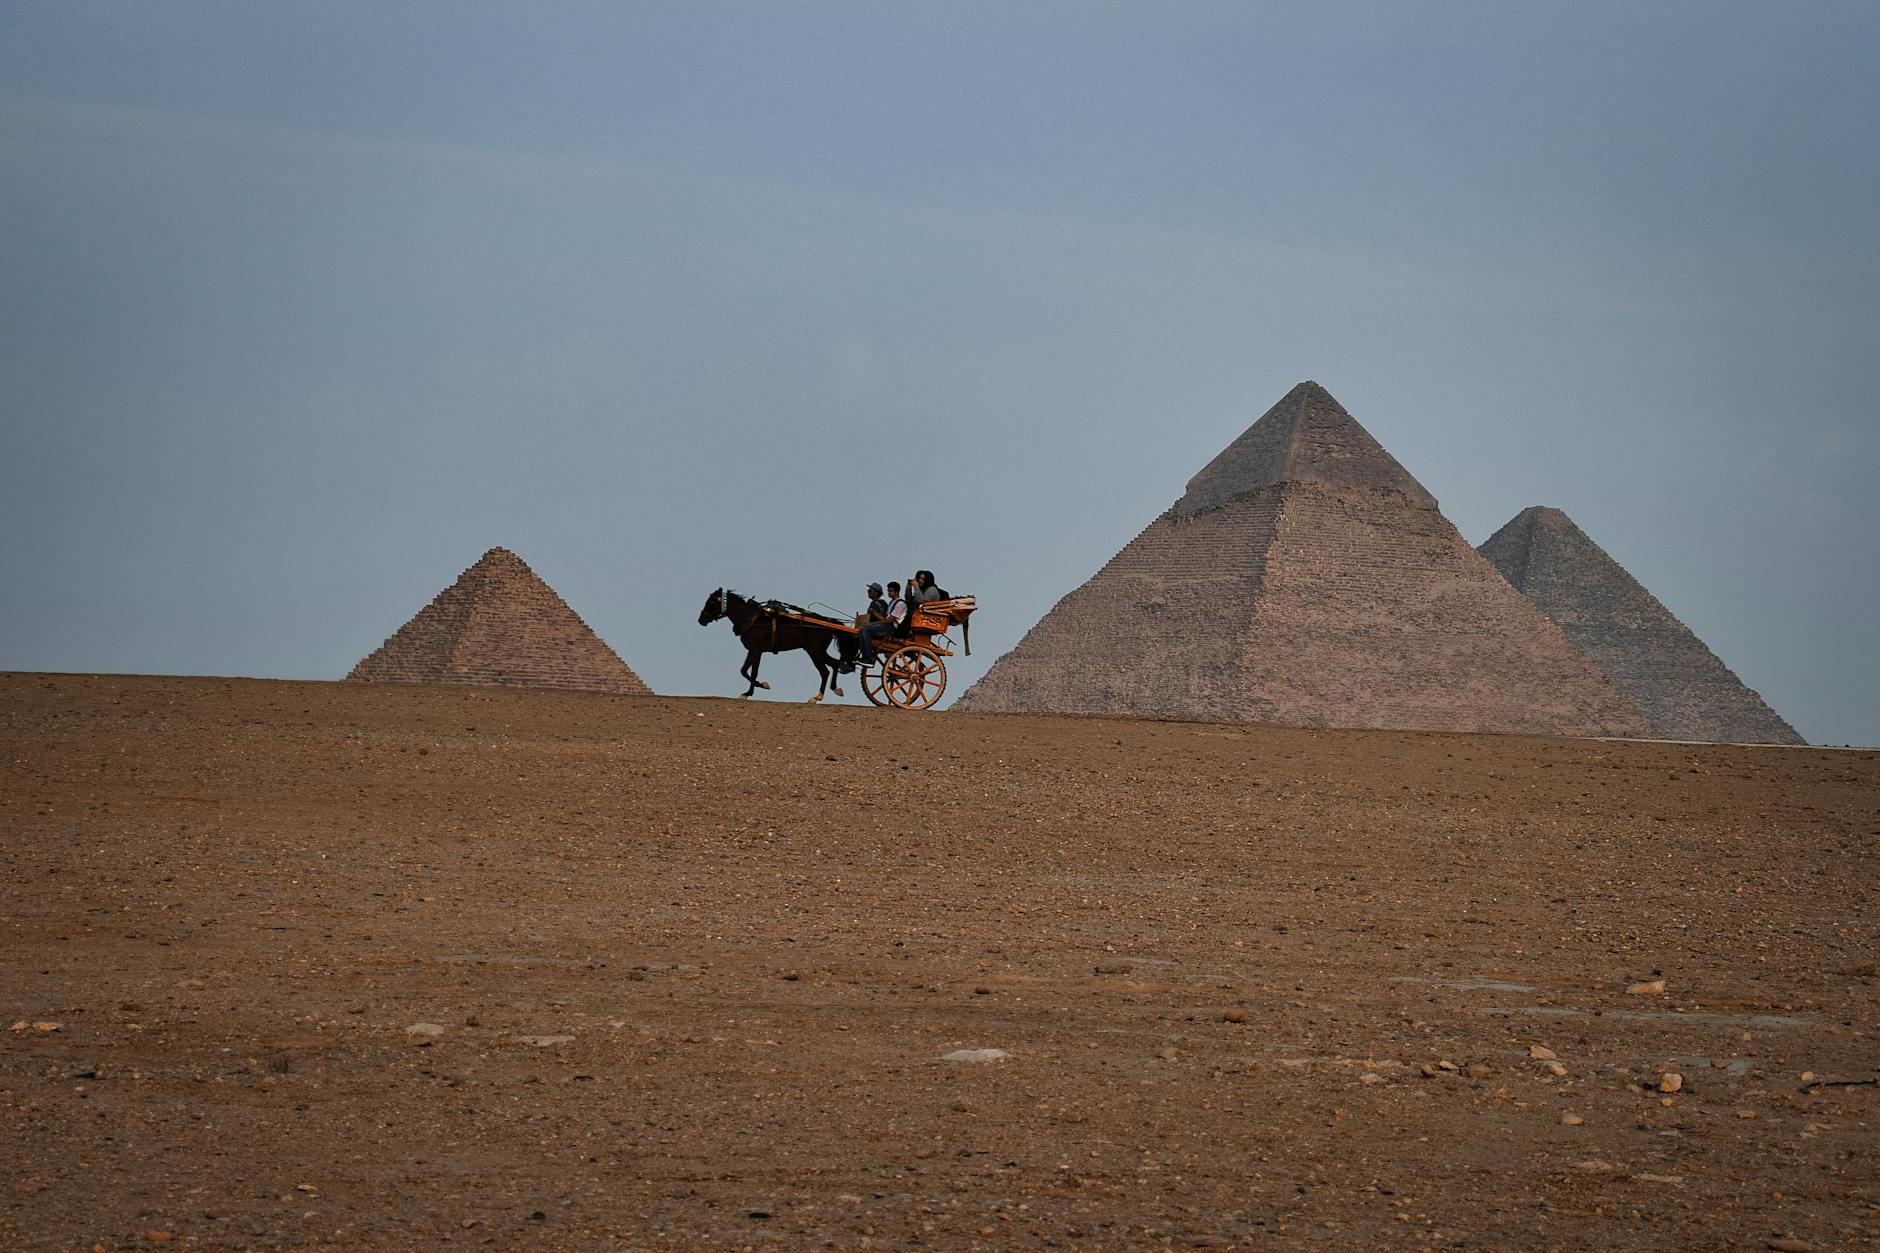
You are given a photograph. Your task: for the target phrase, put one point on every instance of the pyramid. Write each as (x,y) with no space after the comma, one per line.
(1651,656)
(499,625)
(1306,578)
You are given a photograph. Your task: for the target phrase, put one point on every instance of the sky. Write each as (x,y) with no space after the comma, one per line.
(305,305)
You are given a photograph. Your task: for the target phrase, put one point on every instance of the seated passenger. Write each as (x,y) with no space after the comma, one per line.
(893,615)
(923,589)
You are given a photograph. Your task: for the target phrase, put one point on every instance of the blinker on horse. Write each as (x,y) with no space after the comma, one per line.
(766,628)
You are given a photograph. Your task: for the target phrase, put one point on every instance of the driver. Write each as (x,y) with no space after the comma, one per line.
(893,614)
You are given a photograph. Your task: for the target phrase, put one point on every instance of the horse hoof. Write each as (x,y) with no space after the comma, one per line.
(765,686)
(744,696)
(814,700)
(836,690)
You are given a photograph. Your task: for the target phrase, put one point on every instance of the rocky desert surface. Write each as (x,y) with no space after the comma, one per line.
(319,965)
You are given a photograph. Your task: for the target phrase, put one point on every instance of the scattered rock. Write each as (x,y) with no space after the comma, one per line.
(1593,1166)
(1234,1015)
(1541,1053)
(422,1033)
(1664,1179)
(1555,1069)
(976,1056)
(1571,1120)
(1746,1113)
(1789,1244)
(543,1041)
(1671,1081)
(1650,987)
(1477,1070)
(1370,1078)
(757,1212)
(1446,1065)
(1114,968)
(1167,1053)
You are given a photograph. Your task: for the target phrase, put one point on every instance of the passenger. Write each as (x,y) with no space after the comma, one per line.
(893,615)
(923,589)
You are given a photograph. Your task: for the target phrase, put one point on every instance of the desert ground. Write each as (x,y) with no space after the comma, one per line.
(317,965)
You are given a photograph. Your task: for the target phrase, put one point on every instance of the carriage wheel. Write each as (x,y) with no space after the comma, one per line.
(910,677)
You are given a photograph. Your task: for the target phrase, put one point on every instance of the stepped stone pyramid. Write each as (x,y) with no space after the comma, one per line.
(499,625)
(1306,578)
(1687,692)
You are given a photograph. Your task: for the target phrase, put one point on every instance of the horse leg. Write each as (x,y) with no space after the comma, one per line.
(821,662)
(757,660)
(835,675)
(748,672)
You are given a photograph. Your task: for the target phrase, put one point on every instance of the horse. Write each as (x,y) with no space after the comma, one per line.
(763,628)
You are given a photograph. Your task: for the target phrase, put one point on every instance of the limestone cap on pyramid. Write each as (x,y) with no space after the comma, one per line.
(499,624)
(1308,437)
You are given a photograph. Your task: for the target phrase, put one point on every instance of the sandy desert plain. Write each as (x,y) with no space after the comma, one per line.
(319,965)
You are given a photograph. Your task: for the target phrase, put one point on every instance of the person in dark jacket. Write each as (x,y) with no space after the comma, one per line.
(892,618)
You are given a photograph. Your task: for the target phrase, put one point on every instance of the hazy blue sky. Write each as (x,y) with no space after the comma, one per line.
(304,305)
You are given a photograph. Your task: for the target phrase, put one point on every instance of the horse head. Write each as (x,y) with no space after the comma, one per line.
(716,606)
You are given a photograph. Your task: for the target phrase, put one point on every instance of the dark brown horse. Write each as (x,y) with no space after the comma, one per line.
(767,627)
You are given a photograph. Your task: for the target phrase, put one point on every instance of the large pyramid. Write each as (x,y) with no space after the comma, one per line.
(499,624)
(1653,658)
(1306,578)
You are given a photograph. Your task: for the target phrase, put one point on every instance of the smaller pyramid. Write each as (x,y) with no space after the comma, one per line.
(500,625)
(1677,682)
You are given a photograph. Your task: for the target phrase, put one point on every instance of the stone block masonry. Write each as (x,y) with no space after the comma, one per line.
(500,625)
(1306,578)
(1670,674)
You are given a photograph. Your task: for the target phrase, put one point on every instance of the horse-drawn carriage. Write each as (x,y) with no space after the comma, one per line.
(908,671)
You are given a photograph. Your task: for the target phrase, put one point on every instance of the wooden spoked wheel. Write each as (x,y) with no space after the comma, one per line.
(910,677)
